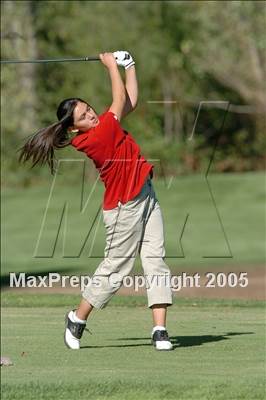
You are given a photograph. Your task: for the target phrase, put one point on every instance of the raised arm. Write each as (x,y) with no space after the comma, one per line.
(118,87)
(131,90)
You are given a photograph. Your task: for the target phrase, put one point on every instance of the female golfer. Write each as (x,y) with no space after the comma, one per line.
(131,212)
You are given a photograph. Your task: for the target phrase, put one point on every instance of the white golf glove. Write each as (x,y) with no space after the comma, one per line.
(124,59)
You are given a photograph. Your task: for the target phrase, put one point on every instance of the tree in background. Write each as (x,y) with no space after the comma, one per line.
(19,98)
(231,47)
(185,52)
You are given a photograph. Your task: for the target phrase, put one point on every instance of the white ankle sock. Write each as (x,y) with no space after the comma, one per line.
(76,319)
(158,328)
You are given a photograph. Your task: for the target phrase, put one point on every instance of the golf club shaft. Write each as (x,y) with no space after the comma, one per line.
(50,60)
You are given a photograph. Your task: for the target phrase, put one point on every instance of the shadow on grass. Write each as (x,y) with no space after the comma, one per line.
(178,341)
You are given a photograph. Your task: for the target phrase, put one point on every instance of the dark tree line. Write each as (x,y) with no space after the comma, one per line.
(186,53)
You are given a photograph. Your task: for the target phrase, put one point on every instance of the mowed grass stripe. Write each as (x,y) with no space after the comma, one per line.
(239,199)
(12,298)
(216,355)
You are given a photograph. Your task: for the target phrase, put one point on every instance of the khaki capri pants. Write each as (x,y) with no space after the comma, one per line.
(135,227)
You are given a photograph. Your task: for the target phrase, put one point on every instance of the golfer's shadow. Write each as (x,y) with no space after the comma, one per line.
(178,341)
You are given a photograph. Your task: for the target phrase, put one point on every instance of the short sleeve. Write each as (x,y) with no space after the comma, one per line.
(109,115)
(100,142)
(81,141)
(107,128)
(110,112)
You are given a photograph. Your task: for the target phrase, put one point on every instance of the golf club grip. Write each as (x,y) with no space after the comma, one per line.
(93,58)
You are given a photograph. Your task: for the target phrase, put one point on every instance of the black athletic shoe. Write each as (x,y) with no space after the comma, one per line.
(161,341)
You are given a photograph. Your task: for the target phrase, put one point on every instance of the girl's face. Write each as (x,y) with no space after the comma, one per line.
(84,117)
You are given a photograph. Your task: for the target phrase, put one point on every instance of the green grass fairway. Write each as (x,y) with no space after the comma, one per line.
(219,353)
(239,198)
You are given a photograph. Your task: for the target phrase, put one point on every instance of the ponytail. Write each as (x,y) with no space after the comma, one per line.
(41,145)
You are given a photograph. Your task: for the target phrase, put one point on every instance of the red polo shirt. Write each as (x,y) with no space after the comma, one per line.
(117,157)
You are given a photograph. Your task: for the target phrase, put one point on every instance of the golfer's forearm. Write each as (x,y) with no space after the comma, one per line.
(118,87)
(132,85)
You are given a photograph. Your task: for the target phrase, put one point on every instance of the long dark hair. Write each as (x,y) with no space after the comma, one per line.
(41,145)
